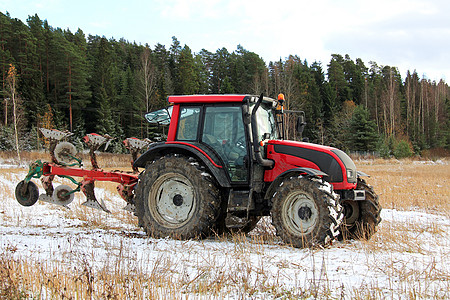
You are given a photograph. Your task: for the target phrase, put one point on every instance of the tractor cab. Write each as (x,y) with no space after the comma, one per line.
(221,127)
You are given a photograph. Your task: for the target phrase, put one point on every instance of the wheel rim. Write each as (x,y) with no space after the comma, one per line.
(300,213)
(171,200)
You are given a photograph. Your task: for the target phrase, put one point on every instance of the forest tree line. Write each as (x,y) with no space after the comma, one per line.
(84,84)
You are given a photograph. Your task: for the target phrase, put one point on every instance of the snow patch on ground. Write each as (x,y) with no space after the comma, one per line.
(48,233)
(430,162)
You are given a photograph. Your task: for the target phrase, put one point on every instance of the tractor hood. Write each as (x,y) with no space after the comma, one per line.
(336,163)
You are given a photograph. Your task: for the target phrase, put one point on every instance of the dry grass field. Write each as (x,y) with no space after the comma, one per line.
(48,252)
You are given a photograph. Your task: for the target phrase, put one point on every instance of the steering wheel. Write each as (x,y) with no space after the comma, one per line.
(237,150)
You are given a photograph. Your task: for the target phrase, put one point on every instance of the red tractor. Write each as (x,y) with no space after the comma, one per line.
(224,165)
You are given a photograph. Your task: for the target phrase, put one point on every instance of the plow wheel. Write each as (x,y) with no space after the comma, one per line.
(27,195)
(176,198)
(361,217)
(64,152)
(306,212)
(62,195)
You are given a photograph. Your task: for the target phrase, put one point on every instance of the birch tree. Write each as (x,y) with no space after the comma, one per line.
(147,78)
(11,84)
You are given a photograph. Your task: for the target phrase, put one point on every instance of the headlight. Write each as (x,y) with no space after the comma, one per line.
(350,174)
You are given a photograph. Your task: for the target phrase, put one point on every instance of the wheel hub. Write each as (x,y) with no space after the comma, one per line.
(351,212)
(178,200)
(304,213)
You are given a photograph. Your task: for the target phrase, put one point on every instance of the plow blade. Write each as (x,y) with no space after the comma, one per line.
(49,199)
(97,205)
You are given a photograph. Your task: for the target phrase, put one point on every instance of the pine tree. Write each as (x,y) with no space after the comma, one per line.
(362,130)
(5,60)
(220,77)
(336,78)
(187,76)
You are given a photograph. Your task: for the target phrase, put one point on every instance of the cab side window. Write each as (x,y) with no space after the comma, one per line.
(188,124)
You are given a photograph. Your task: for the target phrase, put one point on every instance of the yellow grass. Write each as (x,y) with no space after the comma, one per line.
(105,160)
(402,185)
(408,184)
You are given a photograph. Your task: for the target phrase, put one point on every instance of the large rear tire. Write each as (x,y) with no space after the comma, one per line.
(361,217)
(176,197)
(306,212)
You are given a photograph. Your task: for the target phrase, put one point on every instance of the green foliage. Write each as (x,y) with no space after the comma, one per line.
(6,138)
(98,83)
(362,131)
(402,149)
(383,148)
(390,146)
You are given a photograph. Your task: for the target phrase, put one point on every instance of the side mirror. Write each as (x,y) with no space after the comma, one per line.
(247,115)
(301,123)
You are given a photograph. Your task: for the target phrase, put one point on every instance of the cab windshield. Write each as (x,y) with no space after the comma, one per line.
(266,120)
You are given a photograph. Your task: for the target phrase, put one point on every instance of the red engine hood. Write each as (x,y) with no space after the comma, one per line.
(291,154)
(301,144)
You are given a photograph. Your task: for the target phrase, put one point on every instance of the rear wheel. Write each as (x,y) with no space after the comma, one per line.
(306,212)
(175,197)
(361,217)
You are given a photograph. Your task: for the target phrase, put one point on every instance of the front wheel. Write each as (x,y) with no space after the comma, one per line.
(361,217)
(306,212)
(177,198)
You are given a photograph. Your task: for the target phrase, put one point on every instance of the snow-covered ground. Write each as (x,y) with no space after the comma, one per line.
(408,256)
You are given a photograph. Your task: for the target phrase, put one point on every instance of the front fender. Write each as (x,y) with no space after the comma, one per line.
(291,172)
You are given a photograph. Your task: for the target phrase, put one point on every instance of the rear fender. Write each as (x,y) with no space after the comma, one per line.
(292,172)
(160,149)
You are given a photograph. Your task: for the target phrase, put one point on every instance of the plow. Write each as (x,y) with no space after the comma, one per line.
(65,164)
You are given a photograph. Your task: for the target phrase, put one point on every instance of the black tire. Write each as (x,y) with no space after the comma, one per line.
(176,197)
(306,212)
(30,196)
(361,217)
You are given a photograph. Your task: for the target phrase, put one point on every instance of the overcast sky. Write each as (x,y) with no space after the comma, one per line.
(408,34)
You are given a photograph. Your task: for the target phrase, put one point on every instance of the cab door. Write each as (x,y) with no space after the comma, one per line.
(223,130)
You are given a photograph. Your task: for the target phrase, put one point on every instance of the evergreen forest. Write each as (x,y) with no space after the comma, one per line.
(55,78)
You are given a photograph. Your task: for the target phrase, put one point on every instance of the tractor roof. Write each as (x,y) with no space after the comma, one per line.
(214,98)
